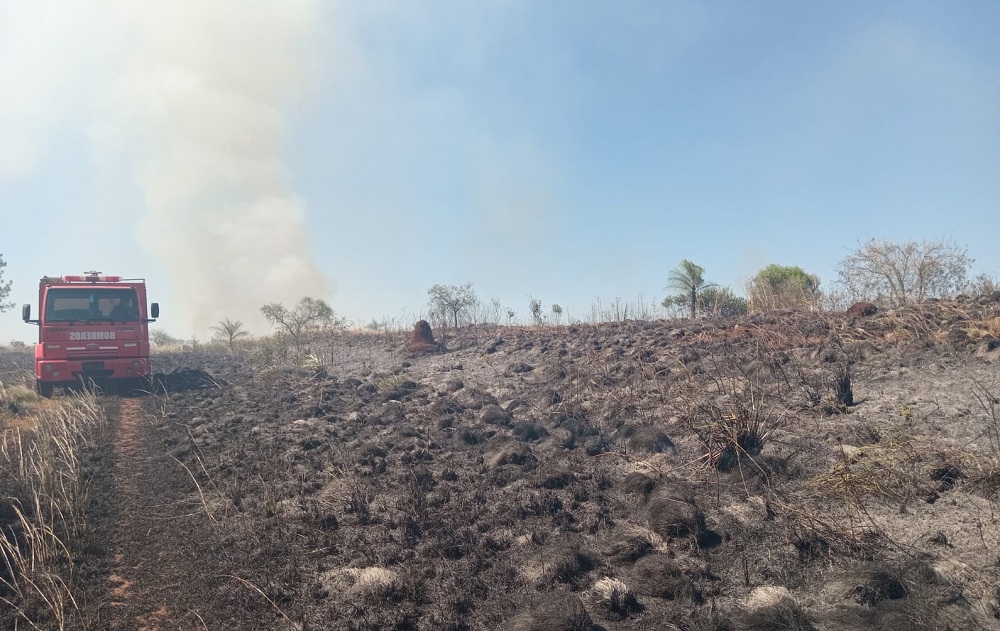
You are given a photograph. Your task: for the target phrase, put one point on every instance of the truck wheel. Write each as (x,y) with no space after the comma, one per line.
(44,389)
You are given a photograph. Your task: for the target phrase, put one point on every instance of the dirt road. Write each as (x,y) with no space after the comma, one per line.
(163,562)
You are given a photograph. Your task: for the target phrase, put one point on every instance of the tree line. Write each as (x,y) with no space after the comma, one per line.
(880,271)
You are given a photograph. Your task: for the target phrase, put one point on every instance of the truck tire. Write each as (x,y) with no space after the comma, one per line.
(44,389)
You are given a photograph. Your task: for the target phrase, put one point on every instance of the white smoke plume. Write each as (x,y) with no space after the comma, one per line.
(194,96)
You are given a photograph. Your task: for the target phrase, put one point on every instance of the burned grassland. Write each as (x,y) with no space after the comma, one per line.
(781,471)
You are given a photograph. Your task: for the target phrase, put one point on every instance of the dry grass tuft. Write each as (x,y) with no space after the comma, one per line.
(565,563)
(906,595)
(893,469)
(662,577)
(784,615)
(731,418)
(615,597)
(629,548)
(369,584)
(556,611)
(981,475)
(376,583)
(44,505)
(819,538)
(671,516)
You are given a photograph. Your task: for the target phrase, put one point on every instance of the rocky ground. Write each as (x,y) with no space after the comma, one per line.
(784,471)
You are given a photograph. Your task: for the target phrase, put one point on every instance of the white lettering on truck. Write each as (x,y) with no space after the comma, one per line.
(91,335)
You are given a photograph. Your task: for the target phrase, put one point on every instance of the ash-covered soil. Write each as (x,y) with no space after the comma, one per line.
(786,471)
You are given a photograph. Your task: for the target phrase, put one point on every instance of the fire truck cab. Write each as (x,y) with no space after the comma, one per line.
(92,328)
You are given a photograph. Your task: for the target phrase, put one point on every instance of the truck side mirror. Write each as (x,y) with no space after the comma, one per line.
(154,309)
(26,313)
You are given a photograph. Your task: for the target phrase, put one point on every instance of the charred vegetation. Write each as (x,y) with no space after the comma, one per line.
(780,471)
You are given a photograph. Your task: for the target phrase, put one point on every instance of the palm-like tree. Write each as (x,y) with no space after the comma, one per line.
(689,279)
(230,330)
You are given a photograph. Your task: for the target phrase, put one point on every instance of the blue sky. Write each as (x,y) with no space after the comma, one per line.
(238,153)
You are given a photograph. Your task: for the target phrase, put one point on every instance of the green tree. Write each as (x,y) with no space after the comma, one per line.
(557,312)
(721,301)
(451,301)
(717,301)
(308,314)
(782,287)
(229,331)
(898,273)
(689,280)
(535,309)
(4,288)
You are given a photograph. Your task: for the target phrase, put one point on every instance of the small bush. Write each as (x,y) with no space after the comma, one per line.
(392,382)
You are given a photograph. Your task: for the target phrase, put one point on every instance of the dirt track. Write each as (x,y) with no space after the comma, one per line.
(162,554)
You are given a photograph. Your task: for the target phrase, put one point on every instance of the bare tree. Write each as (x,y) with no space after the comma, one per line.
(451,301)
(898,273)
(982,285)
(162,338)
(495,311)
(4,288)
(229,331)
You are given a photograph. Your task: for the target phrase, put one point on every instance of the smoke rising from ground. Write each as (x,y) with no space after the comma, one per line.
(204,91)
(193,97)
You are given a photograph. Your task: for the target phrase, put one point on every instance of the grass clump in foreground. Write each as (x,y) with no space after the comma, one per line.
(43,495)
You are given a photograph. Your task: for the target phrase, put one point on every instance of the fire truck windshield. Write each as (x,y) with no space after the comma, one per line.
(91,304)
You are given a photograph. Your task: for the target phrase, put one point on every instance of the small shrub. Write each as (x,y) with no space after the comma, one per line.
(906,412)
(392,382)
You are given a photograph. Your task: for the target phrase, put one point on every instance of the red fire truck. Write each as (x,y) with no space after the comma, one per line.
(92,328)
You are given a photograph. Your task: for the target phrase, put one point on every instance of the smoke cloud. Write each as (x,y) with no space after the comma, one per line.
(194,97)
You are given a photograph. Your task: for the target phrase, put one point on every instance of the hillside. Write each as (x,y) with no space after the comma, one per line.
(780,471)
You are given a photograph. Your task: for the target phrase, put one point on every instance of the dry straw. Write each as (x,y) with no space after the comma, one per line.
(45,487)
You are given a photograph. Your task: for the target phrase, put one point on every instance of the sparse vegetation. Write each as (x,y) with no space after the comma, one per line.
(782,287)
(159,337)
(535,309)
(310,315)
(712,301)
(43,510)
(757,472)
(689,280)
(4,288)
(901,273)
(230,331)
(450,303)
